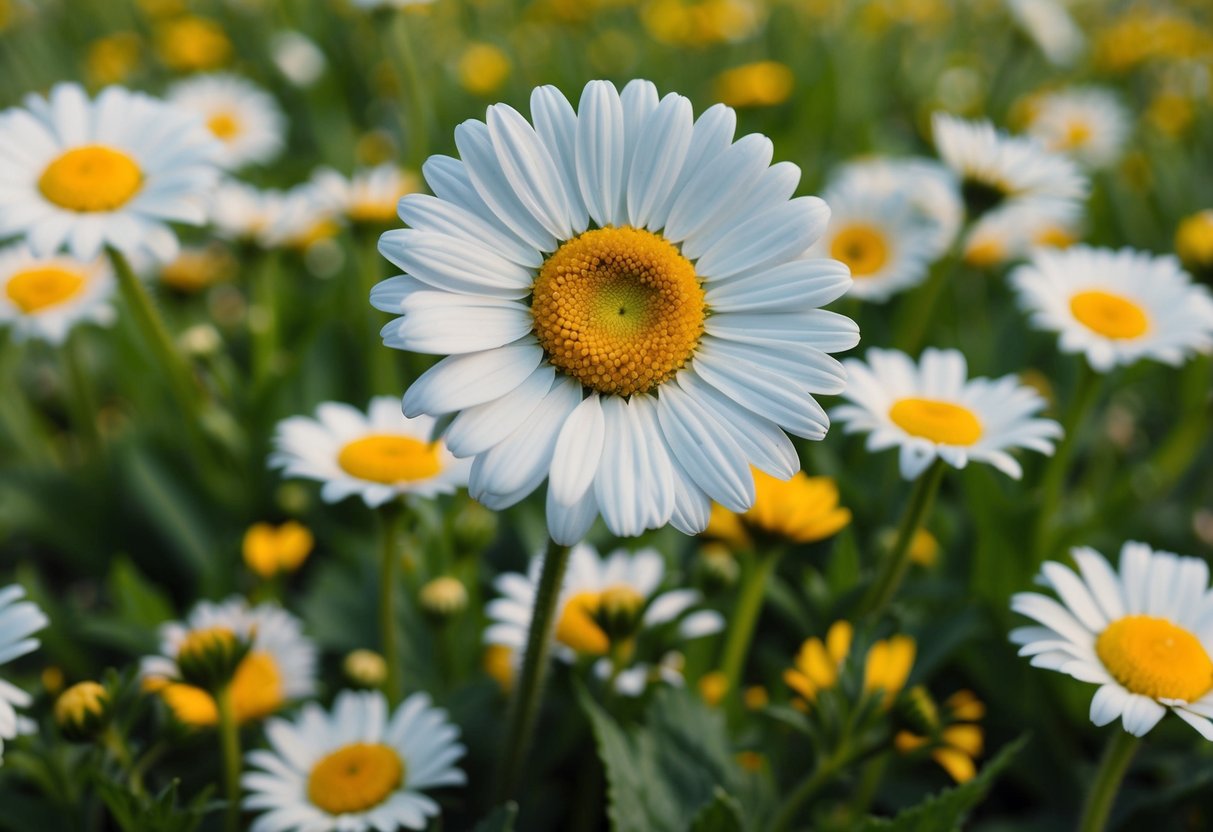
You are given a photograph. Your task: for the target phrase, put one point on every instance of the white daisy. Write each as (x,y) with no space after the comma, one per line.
(377,455)
(305,215)
(933,409)
(1145,635)
(1116,307)
(368,195)
(995,167)
(245,119)
(1088,123)
(242,213)
(1049,25)
(355,768)
(569,269)
(280,665)
(113,171)
(1012,231)
(880,237)
(44,297)
(297,57)
(19,620)
(927,185)
(631,577)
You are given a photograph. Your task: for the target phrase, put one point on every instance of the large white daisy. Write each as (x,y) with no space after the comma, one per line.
(355,768)
(626,304)
(113,171)
(280,665)
(19,620)
(245,119)
(1088,123)
(44,297)
(933,410)
(377,455)
(1116,307)
(633,577)
(1145,635)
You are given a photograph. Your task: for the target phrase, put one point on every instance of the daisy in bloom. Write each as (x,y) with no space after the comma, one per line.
(306,215)
(953,738)
(113,171)
(1144,635)
(1087,123)
(368,196)
(995,167)
(820,665)
(245,119)
(801,510)
(605,603)
(242,213)
(19,620)
(1116,307)
(626,305)
(933,410)
(1012,231)
(355,768)
(378,455)
(44,297)
(879,237)
(280,665)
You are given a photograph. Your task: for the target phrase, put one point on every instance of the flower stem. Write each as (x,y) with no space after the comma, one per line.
(389,556)
(895,565)
(528,692)
(1112,769)
(916,323)
(229,743)
(745,617)
(821,774)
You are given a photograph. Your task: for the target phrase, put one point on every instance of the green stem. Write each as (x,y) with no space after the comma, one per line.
(917,321)
(745,617)
(821,774)
(528,691)
(264,324)
(229,744)
(1112,768)
(80,393)
(895,565)
(389,558)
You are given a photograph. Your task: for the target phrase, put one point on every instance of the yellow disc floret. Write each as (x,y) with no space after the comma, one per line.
(576,627)
(355,778)
(864,248)
(1109,315)
(224,126)
(34,290)
(91,178)
(618,309)
(941,422)
(387,459)
(1153,657)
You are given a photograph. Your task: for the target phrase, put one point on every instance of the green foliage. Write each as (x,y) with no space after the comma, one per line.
(723,814)
(500,819)
(139,812)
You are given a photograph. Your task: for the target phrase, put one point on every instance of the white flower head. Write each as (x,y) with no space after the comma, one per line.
(245,119)
(1011,232)
(44,297)
(369,195)
(19,620)
(1088,123)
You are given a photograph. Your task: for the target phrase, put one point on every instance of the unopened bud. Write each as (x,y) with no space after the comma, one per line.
(82,711)
(365,668)
(444,597)
(208,658)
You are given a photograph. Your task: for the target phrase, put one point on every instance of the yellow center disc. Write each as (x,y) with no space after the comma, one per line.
(387,459)
(36,289)
(941,422)
(1153,657)
(224,126)
(1111,316)
(91,178)
(862,247)
(355,778)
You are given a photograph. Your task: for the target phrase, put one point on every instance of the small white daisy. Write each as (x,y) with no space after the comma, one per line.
(377,455)
(19,620)
(1116,307)
(245,119)
(630,577)
(368,196)
(995,167)
(624,300)
(1145,635)
(933,410)
(113,171)
(1013,230)
(880,237)
(305,215)
(242,213)
(297,57)
(44,297)
(355,768)
(1088,123)
(280,666)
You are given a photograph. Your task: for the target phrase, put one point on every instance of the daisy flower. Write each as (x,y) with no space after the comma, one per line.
(933,410)
(280,665)
(879,237)
(44,297)
(355,768)
(626,305)
(368,196)
(1012,231)
(19,620)
(1144,635)
(598,592)
(113,171)
(242,213)
(305,215)
(1087,123)
(245,119)
(995,167)
(1116,307)
(378,455)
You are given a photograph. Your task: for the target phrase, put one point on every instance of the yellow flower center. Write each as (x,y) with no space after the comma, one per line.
(1153,657)
(355,778)
(862,247)
(576,627)
(941,422)
(618,309)
(373,211)
(1111,316)
(91,178)
(36,289)
(1077,134)
(224,126)
(387,459)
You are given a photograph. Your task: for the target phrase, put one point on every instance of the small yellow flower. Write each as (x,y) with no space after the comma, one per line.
(1194,241)
(483,68)
(803,509)
(713,686)
(817,664)
(1170,113)
(82,711)
(760,84)
(956,743)
(192,44)
(197,268)
(365,668)
(888,666)
(499,665)
(270,549)
(756,697)
(112,59)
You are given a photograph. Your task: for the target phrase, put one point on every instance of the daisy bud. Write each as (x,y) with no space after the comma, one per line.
(475,527)
(619,612)
(365,668)
(717,567)
(444,598)
(208,658)
(82,711)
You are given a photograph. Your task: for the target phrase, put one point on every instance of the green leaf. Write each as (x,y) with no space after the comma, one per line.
(946,810)
(500,819)
(136,599)
(158,813)
(723,814)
